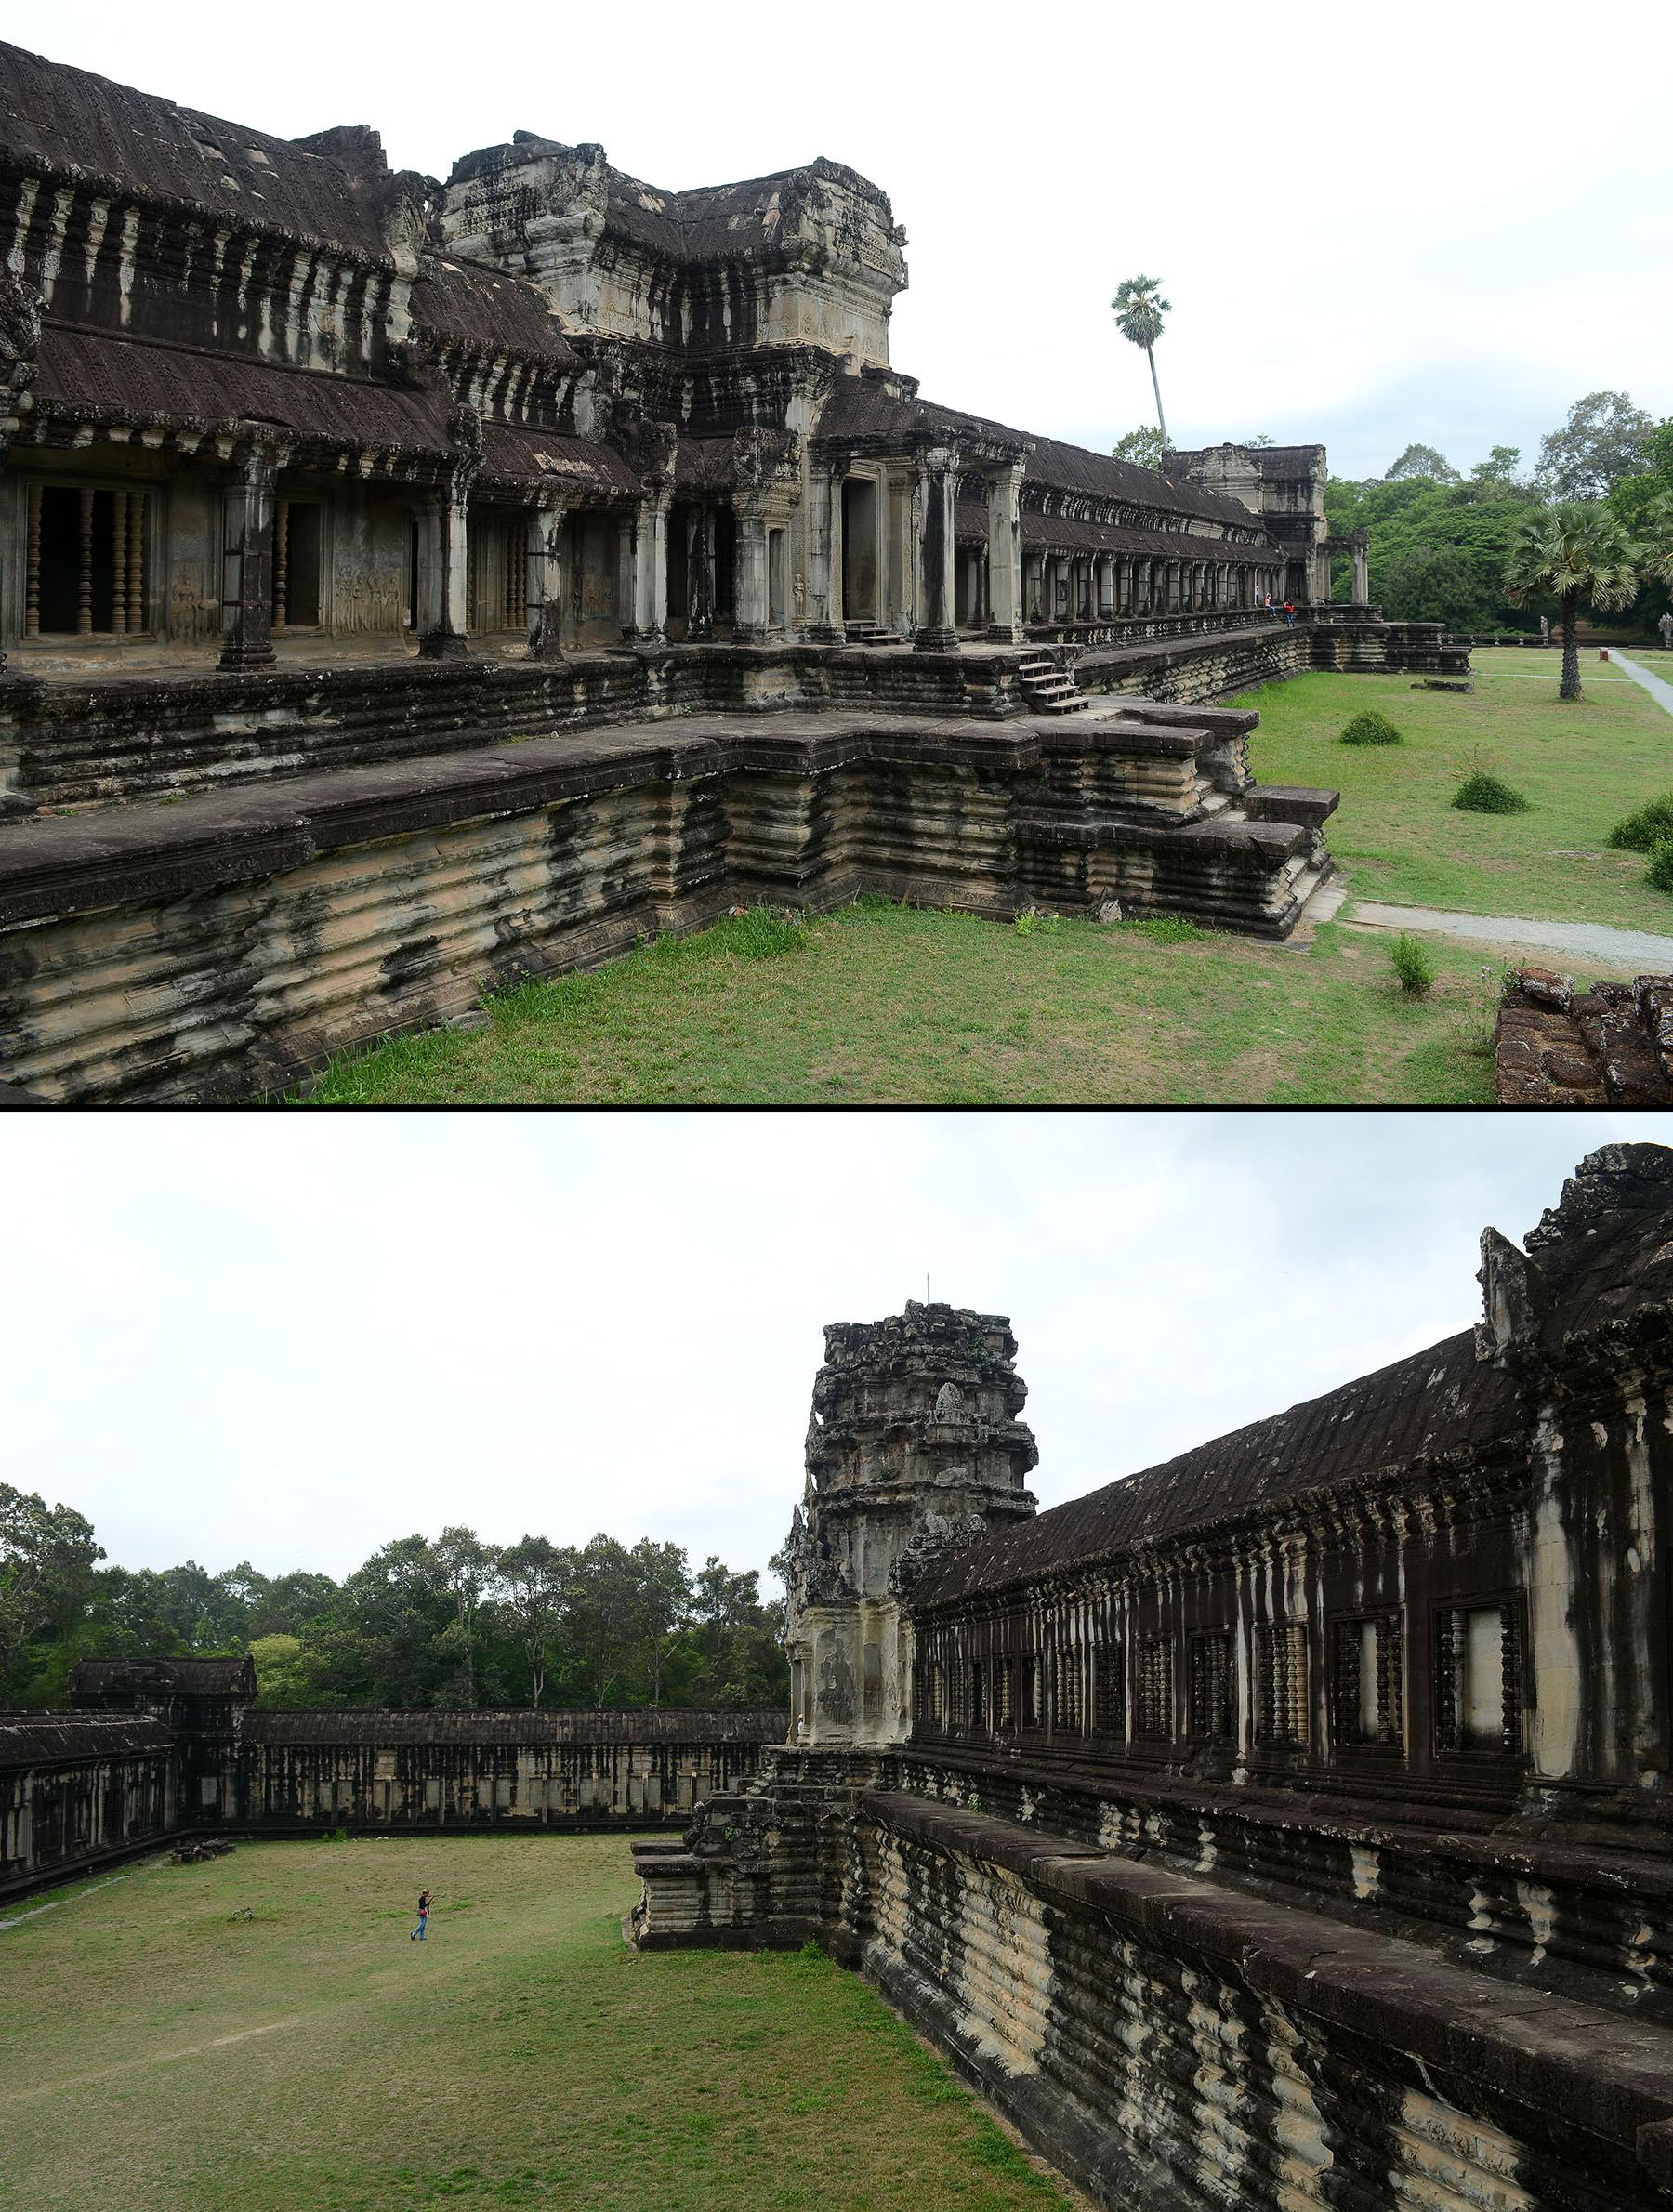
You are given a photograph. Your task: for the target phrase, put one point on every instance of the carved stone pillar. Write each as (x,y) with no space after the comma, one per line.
(837,601)
(936,632)
(248,560)
(1005,554)
(749,586)
(1362,568)
(650,569)
(446,606)
(546,524)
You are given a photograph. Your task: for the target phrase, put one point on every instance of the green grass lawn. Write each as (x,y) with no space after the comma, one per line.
(1396,836)
(885,1003)
(260,2032)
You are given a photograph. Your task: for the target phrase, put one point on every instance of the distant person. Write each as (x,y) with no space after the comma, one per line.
(424,1910)
(1666,626)
(1289,612)
(1268,603)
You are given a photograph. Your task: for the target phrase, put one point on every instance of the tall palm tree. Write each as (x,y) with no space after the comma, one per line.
(1656,547)
(1140,308)
(1569,553)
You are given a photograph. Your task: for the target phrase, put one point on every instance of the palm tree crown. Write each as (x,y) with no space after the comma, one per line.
(1140,308)
(1570,553)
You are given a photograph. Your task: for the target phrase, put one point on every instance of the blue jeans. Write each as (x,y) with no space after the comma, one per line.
(418,1934)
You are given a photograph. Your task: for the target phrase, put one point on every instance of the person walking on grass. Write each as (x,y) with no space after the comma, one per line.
(424,1910)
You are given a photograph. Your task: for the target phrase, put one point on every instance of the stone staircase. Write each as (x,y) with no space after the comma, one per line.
(868,633)
(1048,689)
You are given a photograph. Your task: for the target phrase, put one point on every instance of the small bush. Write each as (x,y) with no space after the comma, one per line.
(1660,871)
(1164,928)
(1371,727)
(1481,793)
(1643,831)
(1033,923)
(1414,967)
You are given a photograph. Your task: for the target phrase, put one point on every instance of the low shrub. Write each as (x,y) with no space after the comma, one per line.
(1412,966)
(1371,727)
(1164,928)
(1483,793)
(1033,922)
(1660,871)
(1643,831)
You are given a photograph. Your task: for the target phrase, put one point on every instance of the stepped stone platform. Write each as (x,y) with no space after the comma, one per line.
(218,943)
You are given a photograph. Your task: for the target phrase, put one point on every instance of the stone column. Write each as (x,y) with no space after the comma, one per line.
(248,560)
(838,603)
(1362,568)
(443,638)
(650,569)
(1005,554)
(936,632)
(749,584)
(547,523)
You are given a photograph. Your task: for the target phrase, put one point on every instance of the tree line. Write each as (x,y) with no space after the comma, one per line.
(444,1621)
(1443,544)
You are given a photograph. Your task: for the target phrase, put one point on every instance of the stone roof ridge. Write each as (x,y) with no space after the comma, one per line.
(1417,1409)
(73,123)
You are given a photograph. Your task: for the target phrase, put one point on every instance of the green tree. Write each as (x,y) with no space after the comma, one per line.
(663,1577)
(1424,461)
(1140,308)
(47,1558)
(532,1579)
(464,1565)
(600,1613)
(1603,439)
(1143,447)
(1574,553)
(1496,478)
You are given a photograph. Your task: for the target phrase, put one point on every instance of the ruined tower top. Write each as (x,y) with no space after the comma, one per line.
(928,1396)
(914,1450)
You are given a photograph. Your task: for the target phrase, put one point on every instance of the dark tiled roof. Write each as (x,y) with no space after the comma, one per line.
(535,1730)
(863,407)
(1065,534)
(1438,1401)
(74,125)
(188,1677)
(517,455)
(92,373)
(970,522)
(45,1739)
(468,303)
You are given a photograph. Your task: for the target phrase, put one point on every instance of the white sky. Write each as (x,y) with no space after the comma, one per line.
(291,1338)
(1436,222)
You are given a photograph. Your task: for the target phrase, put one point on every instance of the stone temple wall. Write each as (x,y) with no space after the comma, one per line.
(1290,1824)
(84,1789)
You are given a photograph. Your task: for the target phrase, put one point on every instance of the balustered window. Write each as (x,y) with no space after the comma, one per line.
(1155,1687)
(1212,1682)
(1066,1688)
(1109,1710)
(1479,1678)
(1367,1686)
(1007,1711)
(85,571)
(298,537)
(977,1694)
(1281,1682)
(1031,1690)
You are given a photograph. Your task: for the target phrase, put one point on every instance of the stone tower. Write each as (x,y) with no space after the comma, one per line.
(914,1449)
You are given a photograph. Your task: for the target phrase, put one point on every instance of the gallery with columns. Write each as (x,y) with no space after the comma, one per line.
(265,399)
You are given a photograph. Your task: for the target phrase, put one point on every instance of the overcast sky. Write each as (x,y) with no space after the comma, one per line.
(290,1339)
(1435,222)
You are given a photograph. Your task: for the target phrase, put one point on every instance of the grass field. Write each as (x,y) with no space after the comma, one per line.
(884,1003)
(1397,835)
(260,2032)
(887,1005)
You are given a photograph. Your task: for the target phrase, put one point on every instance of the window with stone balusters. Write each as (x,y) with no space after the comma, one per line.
(1032,1714)
(1367,1688)
(1007,1714)
(1281,1682)
(1155,1687)
(1478,1677)
(1212,1683)
(1065,1688)
(1109,1710)
(978,1697)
